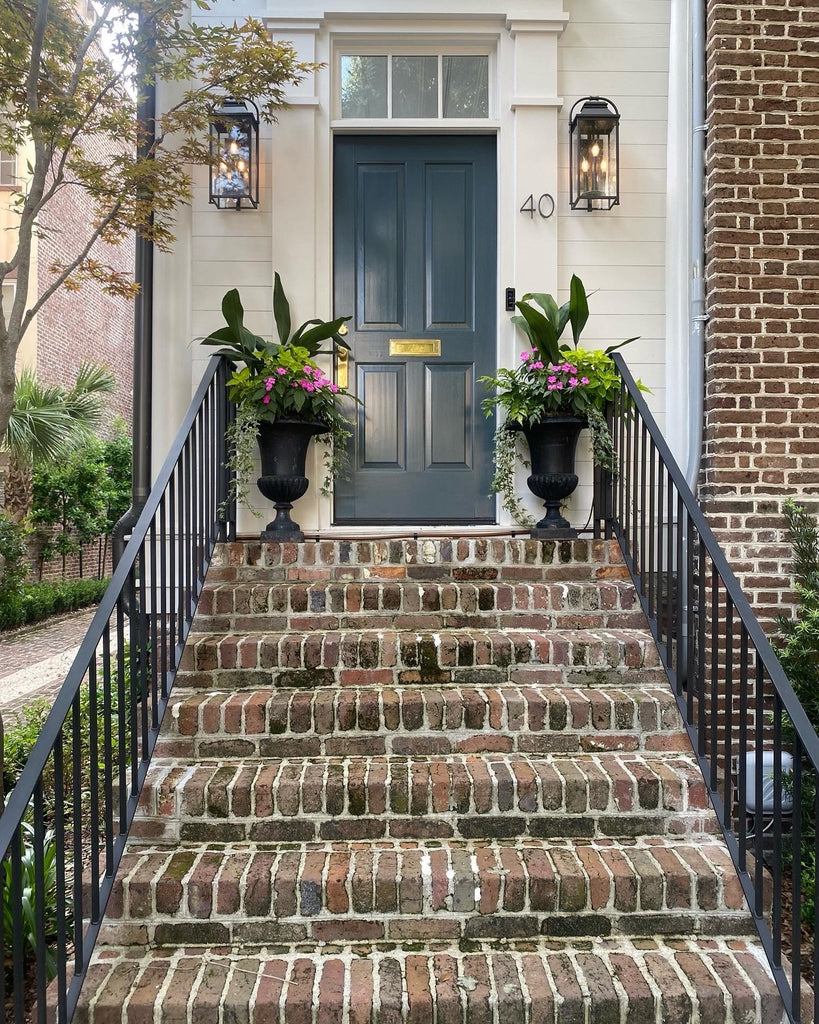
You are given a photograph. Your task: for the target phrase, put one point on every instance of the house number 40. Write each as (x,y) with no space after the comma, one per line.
(545,206)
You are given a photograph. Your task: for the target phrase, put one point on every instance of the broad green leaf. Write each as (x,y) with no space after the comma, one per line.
(549,306)
(321,332)
(578,307)
(541,331)
(628,341)
(232,309)
(281,310)
(519,322)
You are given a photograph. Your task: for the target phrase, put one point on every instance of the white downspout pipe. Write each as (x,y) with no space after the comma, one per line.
(699,317)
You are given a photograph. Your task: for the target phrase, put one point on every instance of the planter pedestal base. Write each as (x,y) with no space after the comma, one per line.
(283,447)
(552,443)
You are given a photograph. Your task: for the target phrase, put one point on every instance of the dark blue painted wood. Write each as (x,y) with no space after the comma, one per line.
(415,257)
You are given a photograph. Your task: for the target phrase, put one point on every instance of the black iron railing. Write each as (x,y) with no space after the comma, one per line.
(64,827)
(758,752)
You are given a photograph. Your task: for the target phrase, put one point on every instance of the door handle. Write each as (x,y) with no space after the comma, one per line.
(343,367)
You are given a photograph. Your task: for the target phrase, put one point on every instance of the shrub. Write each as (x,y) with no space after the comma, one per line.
(41,600)
(798,649)
(13,567)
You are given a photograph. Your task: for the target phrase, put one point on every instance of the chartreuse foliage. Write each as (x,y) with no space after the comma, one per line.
(552,379)
(280,380)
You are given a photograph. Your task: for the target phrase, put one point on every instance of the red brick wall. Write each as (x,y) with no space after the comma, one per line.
(762,349)
(85,324)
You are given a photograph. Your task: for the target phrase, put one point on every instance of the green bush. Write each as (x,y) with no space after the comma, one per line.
(40,601)
(20,739)
(798,649)
(13,567)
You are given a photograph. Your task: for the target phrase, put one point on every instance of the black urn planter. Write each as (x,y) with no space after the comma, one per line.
(552,444)
(283,447)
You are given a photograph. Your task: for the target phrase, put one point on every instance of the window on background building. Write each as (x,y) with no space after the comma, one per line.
(425,86)
(8,168)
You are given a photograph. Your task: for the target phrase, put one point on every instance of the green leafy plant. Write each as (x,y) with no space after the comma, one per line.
(50,597)
(281,380)
(552,379)
(798,649)
(13,568)
(28,899)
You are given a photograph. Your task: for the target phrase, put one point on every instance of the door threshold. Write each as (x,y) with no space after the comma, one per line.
(407,532)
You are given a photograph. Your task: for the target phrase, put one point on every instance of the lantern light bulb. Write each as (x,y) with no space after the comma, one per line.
(595,150)
(234,147)
(223,167)
(584,165)
(240,165)
(604,165)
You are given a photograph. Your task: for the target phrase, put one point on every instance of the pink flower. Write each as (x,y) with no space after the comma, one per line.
(573,382)
(268,384)
(334,388)
(552,387)
(281,371)
(308,370)
(552,379)
(536,366)
(584,380)
(559,386)
(266,399)
(524,357)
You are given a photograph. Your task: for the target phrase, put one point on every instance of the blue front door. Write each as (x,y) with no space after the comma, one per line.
(415,264)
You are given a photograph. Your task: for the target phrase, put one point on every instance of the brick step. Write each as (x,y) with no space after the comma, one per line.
(456,797)
(411,891)
(466,559)
(389,657)
(408,604)
(710,981)
(335,721)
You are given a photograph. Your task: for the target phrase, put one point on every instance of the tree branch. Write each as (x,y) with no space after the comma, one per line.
(68,270)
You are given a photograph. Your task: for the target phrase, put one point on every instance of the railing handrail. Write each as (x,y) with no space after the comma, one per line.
(23,790)
(790,702)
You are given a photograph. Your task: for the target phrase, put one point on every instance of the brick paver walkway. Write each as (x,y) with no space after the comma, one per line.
(34,661)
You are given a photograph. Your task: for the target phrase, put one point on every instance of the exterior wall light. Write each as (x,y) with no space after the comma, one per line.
(594,154)
(234,151)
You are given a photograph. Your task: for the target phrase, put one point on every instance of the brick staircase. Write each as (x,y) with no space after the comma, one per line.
(430,781)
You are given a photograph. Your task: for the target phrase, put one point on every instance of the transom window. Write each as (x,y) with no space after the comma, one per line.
(414,86)
(8,168)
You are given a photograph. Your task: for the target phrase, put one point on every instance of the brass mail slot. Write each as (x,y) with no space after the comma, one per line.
(415,346)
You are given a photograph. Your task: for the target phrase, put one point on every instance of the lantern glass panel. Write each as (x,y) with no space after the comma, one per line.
(596,165)
(594,155)
(232,173)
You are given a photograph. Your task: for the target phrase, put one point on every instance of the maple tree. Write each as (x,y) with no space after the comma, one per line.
(60,88)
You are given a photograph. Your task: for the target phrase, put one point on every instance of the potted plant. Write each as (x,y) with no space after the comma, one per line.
(283,400)
(555,392)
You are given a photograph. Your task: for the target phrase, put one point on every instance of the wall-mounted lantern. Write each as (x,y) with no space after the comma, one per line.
(234,151)
(594,151)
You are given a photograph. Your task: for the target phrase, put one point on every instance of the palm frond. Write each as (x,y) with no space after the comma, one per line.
(47,421)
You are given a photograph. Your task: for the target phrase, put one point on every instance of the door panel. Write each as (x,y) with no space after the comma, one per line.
(415,263)
(450,258)
(448,406)
(381,428)
(380,255)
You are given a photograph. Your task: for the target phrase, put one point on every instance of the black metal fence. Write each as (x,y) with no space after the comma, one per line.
(758,752)
(64,827)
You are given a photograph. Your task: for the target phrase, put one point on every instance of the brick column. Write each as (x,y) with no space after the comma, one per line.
(762,266)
